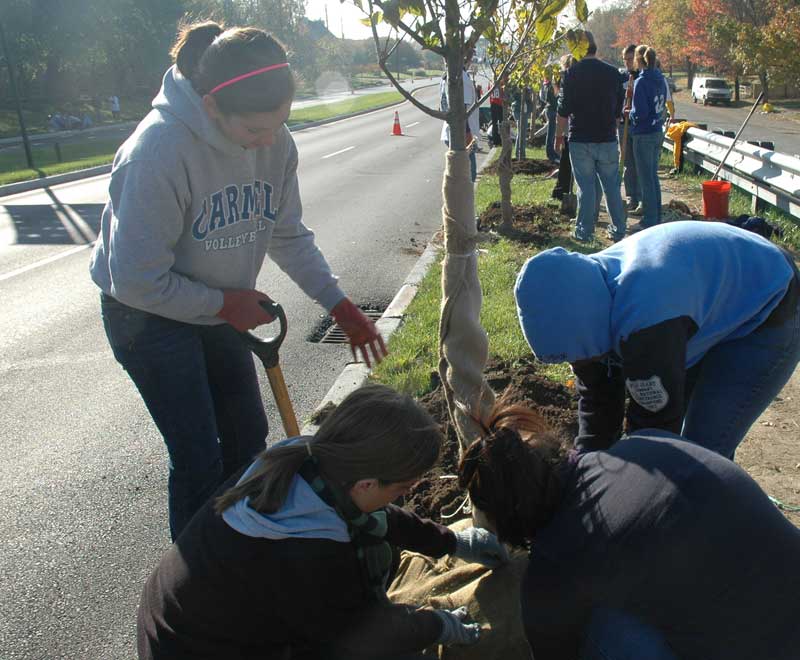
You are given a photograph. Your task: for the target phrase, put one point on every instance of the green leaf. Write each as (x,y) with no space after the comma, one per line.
(391,12)
(376,17)
(413,7)
(581,10)
(553,8)
(577,43)
(545,27)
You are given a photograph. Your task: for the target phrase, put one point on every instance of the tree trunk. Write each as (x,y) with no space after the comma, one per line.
(505,173)
(463,343)
(736,87)
(689,73)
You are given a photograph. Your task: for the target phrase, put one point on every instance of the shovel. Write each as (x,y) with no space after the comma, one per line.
(267,351)
(569,202)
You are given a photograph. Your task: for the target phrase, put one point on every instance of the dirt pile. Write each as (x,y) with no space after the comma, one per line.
(537,224)
(437,494)
(527,166)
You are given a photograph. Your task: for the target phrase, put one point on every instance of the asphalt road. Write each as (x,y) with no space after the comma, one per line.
(785,133)
(82,467)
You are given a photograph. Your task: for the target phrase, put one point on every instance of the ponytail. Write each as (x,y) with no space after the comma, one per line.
(646,57)
(208,56)
(375,433)
(268,485)
(193,40)
(515,482)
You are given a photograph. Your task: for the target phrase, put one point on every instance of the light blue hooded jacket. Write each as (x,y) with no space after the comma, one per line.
(574,307)
(303,514)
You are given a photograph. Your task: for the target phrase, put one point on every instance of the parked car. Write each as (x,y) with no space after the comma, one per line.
(711,90)
(671,83)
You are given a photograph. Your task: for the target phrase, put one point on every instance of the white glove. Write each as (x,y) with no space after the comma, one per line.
(454,630)
(480,546)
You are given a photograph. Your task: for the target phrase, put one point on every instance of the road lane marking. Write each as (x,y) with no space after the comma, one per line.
(336,153)
(44,262)
(412,124)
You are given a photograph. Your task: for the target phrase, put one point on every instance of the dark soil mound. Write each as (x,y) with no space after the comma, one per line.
(433,495)
(537,224)
(529,166)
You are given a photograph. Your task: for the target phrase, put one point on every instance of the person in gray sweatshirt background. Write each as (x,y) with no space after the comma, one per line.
(202,191)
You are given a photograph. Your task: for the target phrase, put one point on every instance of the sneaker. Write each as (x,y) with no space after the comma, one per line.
(613,236)
(630,205)
(577,237)
(638,211)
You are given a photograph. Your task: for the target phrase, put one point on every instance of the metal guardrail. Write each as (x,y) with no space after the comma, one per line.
(769,176)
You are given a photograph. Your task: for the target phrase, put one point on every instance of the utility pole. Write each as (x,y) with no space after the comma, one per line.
(13,80)
(326,17)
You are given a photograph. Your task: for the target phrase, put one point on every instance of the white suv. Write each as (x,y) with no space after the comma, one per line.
(711,90)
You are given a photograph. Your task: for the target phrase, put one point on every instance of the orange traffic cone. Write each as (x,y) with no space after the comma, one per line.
(396,130)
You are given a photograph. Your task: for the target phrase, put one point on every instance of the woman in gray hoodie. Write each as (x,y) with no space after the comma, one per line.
(200,194)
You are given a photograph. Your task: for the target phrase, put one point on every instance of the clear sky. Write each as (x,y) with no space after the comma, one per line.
(345,16)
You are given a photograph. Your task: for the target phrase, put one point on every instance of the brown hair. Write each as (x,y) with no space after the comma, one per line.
(645,57)
(516,482)
(375,432)
(592,50)
(207,56)
(630,48)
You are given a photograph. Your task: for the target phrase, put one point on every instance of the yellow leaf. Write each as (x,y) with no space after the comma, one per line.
(581,10)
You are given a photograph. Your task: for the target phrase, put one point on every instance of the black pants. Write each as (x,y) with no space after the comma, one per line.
(564,173)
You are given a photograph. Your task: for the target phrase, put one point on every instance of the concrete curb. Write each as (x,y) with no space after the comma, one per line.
(47,181)
(355,374)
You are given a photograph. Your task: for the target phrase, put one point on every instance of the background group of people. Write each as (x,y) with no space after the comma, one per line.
(651,545)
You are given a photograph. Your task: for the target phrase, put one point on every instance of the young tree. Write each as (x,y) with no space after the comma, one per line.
(450,29)
(535,40)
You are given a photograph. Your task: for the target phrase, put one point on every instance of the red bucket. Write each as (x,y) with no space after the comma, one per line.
(715,199)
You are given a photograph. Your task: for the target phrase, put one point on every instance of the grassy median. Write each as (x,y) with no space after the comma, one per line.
(91,153)
(413,348)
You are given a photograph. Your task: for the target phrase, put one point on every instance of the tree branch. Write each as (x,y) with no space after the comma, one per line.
(411,33)
(403,92)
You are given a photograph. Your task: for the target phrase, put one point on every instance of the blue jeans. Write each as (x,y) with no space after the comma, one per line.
(629,178)
(736,381)
(647,150)
(592,160)
(550,141)
(199,384)
(616,635)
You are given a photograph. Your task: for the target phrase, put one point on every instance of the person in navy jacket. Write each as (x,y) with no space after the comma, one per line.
(647,115)
(656,549)
(697,322)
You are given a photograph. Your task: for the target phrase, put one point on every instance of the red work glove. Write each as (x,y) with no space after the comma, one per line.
(241,308)
(361,332)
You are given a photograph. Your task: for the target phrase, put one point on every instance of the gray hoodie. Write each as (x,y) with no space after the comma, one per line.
(191,213)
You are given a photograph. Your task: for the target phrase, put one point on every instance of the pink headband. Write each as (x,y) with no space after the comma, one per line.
(249,75)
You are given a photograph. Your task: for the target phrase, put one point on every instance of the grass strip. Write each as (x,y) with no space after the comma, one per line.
(413,348)
(343,107)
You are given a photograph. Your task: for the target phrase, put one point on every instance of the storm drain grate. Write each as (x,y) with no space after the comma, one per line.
(328,332)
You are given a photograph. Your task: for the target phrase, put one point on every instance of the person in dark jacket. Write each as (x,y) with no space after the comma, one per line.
(590,102)
(657,549)
(292,561)
(697,321)
(647,115)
